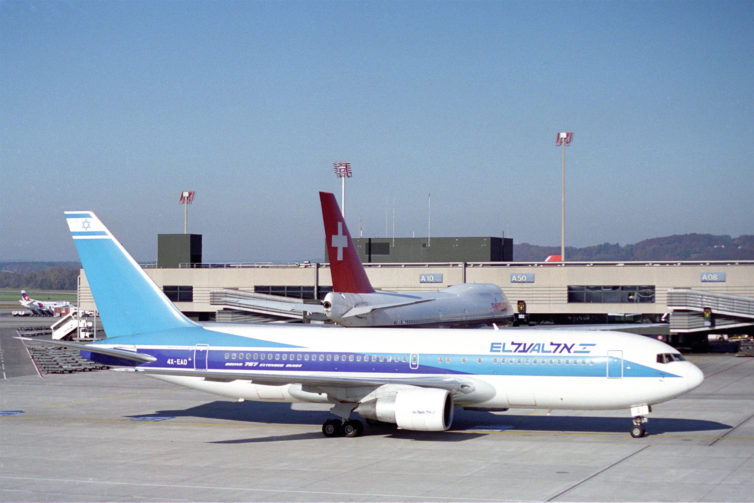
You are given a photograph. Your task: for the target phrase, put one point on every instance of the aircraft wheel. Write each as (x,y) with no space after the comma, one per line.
(638,431)
(332,428)
(353,428)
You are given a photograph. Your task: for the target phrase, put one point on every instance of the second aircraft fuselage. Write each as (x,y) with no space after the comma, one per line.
(460,305)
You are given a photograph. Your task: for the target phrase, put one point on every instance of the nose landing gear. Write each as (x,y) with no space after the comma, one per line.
(638,429)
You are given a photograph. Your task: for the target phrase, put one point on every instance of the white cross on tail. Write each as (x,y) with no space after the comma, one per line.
(340,241)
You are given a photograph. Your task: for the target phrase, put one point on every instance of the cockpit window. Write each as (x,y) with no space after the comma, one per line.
(670,357)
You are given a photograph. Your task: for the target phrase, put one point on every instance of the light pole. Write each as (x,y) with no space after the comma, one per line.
(343,171)
(187,197)
(563,139)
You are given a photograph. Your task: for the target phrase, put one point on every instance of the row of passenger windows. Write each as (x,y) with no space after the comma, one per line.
(400,359)
(528,361)
(316,357)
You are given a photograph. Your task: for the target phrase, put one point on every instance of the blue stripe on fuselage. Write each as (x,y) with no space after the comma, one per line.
(258,355)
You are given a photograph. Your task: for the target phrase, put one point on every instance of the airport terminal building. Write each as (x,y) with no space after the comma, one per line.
(695,298)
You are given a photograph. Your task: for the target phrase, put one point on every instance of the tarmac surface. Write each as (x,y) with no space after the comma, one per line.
(115,436)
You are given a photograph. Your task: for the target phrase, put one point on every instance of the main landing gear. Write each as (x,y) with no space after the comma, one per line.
(339,428)
(638,429)
(343,426)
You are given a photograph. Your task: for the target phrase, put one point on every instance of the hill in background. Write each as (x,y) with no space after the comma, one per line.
(39,275)
(63,275)
(677,247)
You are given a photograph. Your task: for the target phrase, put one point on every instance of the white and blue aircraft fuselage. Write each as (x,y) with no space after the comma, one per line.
(412,378)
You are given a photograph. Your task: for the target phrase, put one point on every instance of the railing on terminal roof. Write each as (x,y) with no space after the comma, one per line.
(246,265)
(594,263)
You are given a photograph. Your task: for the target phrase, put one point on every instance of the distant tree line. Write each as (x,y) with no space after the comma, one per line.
(678,247)
(51,278)
(25,267)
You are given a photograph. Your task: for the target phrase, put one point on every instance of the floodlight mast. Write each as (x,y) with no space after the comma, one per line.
(563,139)
(342,170)
(187,197)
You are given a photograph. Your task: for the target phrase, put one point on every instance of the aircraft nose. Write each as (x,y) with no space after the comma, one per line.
(694,377)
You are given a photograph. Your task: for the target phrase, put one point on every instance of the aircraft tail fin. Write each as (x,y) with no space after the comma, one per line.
(128,301)
(348,274)
(25,296)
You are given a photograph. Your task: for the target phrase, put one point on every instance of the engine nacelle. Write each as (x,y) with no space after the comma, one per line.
(421,409)
(336,305)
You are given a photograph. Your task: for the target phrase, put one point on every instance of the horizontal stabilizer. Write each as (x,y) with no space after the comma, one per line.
(94,348)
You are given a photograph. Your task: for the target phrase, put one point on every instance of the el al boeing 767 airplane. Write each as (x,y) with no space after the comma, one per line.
(412,378)
(355,303)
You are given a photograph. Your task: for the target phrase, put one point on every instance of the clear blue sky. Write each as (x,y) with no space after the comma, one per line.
(117,106)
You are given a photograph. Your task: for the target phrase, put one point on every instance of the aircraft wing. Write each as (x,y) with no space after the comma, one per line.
(361,310)
(453,384)
(118,353)
(285,307)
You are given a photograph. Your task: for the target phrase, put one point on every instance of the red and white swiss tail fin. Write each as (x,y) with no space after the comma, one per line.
(348,275)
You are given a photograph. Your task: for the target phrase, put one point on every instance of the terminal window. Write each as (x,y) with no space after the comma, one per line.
(179,293)
(295,291)
(611,294)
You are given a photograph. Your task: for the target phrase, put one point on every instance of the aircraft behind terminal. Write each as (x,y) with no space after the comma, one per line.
(354,302)
(412,378)
(39,308)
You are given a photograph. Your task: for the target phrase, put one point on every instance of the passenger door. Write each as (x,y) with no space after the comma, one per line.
(414,361)
(201,354)
(614,364)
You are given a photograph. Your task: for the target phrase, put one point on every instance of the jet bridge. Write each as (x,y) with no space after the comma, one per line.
(698,311)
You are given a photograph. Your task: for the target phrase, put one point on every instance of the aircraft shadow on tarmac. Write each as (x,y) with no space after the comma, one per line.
(474,420)
(467,424)
(282,414)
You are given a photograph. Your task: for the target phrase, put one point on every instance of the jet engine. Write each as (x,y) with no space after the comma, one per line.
(337,304)
(421,409)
